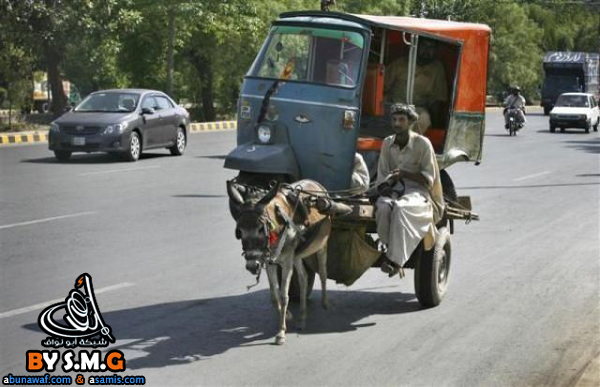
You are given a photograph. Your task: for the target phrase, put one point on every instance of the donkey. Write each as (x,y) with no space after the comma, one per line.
(280,230)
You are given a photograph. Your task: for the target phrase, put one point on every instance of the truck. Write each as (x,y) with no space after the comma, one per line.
(566,71)
(42,96)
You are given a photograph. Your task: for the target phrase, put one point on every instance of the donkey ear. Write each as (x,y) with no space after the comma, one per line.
(269,196)
(234,193)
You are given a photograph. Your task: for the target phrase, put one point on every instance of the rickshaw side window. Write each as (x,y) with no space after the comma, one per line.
(316,55)
(435,74)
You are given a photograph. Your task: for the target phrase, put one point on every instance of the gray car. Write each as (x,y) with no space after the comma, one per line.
(126,121)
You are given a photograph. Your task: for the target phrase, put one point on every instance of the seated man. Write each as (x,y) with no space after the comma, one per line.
(411,203)
(430,92)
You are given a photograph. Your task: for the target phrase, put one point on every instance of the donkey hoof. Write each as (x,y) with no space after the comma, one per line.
(301,324)
(280,340)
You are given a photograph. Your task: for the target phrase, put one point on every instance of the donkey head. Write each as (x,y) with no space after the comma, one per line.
(252,225)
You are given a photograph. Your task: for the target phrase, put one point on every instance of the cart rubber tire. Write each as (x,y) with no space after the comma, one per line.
(294,291)
(588,125)
(552,128)
(596,126)
(62,155)
(432,269)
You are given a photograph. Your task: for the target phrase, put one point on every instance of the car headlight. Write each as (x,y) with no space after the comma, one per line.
(264,134)
(115,129)
(54,127)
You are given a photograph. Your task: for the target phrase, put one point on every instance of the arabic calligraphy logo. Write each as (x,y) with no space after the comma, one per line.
(82,318)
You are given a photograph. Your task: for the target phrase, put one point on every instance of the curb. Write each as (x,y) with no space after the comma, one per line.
(42,136)
(23,138)
(212,126)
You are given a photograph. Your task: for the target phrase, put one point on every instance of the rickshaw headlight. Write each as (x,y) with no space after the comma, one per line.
(264,134)
(349,120)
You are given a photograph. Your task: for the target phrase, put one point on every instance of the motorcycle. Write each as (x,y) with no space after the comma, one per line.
(513,121)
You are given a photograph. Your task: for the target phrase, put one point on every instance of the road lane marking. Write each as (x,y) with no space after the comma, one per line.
(47,219)
(118,170)
(27,309)
(532,176)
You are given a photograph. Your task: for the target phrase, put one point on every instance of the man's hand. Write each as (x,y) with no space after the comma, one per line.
(396,174)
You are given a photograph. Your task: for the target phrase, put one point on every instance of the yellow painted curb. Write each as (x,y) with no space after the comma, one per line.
(42,137)
(21,138)
(212,126)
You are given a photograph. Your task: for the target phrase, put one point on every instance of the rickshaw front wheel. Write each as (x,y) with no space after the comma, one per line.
(432,270)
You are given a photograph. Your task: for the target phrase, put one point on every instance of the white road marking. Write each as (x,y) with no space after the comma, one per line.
(532,176)
(47,219)
(42,305)
(119,170)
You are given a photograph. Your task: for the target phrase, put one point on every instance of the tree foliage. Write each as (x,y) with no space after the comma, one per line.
(200,50)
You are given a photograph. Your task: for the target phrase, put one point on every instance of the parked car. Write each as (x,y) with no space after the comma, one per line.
(126,122)
(575,110)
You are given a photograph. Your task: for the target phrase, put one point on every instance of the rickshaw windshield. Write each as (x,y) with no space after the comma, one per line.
(314,55)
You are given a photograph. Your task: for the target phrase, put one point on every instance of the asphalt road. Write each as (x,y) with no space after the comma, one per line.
(156,236)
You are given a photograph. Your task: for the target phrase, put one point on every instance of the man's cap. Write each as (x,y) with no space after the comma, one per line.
(407,110)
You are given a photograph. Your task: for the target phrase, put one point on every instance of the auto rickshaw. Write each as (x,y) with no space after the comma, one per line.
(316,94)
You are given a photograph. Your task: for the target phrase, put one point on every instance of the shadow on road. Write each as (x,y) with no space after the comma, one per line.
(199,196)
(592,146)
(558,132)
(214,157)
(187,331)
(528,186)
(95,158)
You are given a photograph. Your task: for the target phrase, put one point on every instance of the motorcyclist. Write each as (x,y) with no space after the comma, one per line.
(515,101)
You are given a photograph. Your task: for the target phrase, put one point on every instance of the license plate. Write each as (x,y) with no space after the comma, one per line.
(79,141)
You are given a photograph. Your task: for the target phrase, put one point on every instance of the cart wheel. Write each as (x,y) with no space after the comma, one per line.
(432,269)
(295,285)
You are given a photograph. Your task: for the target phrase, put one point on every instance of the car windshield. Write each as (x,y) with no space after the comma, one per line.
(572,101)
(109,103)
(314,55)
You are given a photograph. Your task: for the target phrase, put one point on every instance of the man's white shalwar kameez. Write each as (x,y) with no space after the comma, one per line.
(403,221)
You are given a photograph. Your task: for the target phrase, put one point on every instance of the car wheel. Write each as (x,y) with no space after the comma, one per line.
(62,155)
(546,110)
(135,147)
(562,129)
(552,128)
(588,125)
(180,143)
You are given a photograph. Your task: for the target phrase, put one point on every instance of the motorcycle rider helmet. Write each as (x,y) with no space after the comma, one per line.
(515,89)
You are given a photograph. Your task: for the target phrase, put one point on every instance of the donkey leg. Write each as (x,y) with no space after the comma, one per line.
(286,277)
(322,259)
(274,286)
(303,280)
